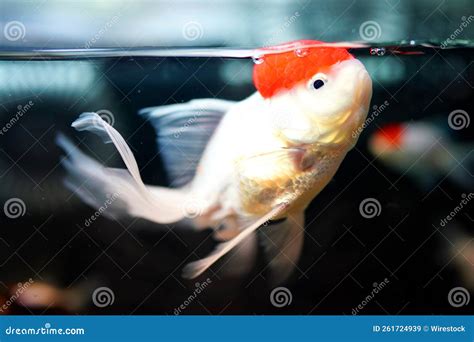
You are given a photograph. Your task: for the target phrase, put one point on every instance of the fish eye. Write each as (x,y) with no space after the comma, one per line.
(318,83)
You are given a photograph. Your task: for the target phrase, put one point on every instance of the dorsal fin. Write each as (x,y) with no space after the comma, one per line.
(183,131)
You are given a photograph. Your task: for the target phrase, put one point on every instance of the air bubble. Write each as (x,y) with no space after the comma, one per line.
(257,59)
(377,51)
(301,52)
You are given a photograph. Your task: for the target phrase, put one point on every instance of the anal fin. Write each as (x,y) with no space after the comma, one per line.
(195,268)
(282,244)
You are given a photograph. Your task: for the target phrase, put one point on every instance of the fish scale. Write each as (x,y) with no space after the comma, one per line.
(288,182)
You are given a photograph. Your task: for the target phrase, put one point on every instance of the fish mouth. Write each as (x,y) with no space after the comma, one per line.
(356,87)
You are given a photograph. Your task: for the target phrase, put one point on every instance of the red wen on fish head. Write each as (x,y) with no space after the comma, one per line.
(297,63)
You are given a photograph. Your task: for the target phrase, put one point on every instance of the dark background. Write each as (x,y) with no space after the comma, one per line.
(344,253)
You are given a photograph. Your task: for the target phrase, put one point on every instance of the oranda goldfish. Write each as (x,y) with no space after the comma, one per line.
(263,158)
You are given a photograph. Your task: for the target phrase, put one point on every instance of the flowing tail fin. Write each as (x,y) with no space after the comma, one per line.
(116,192)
